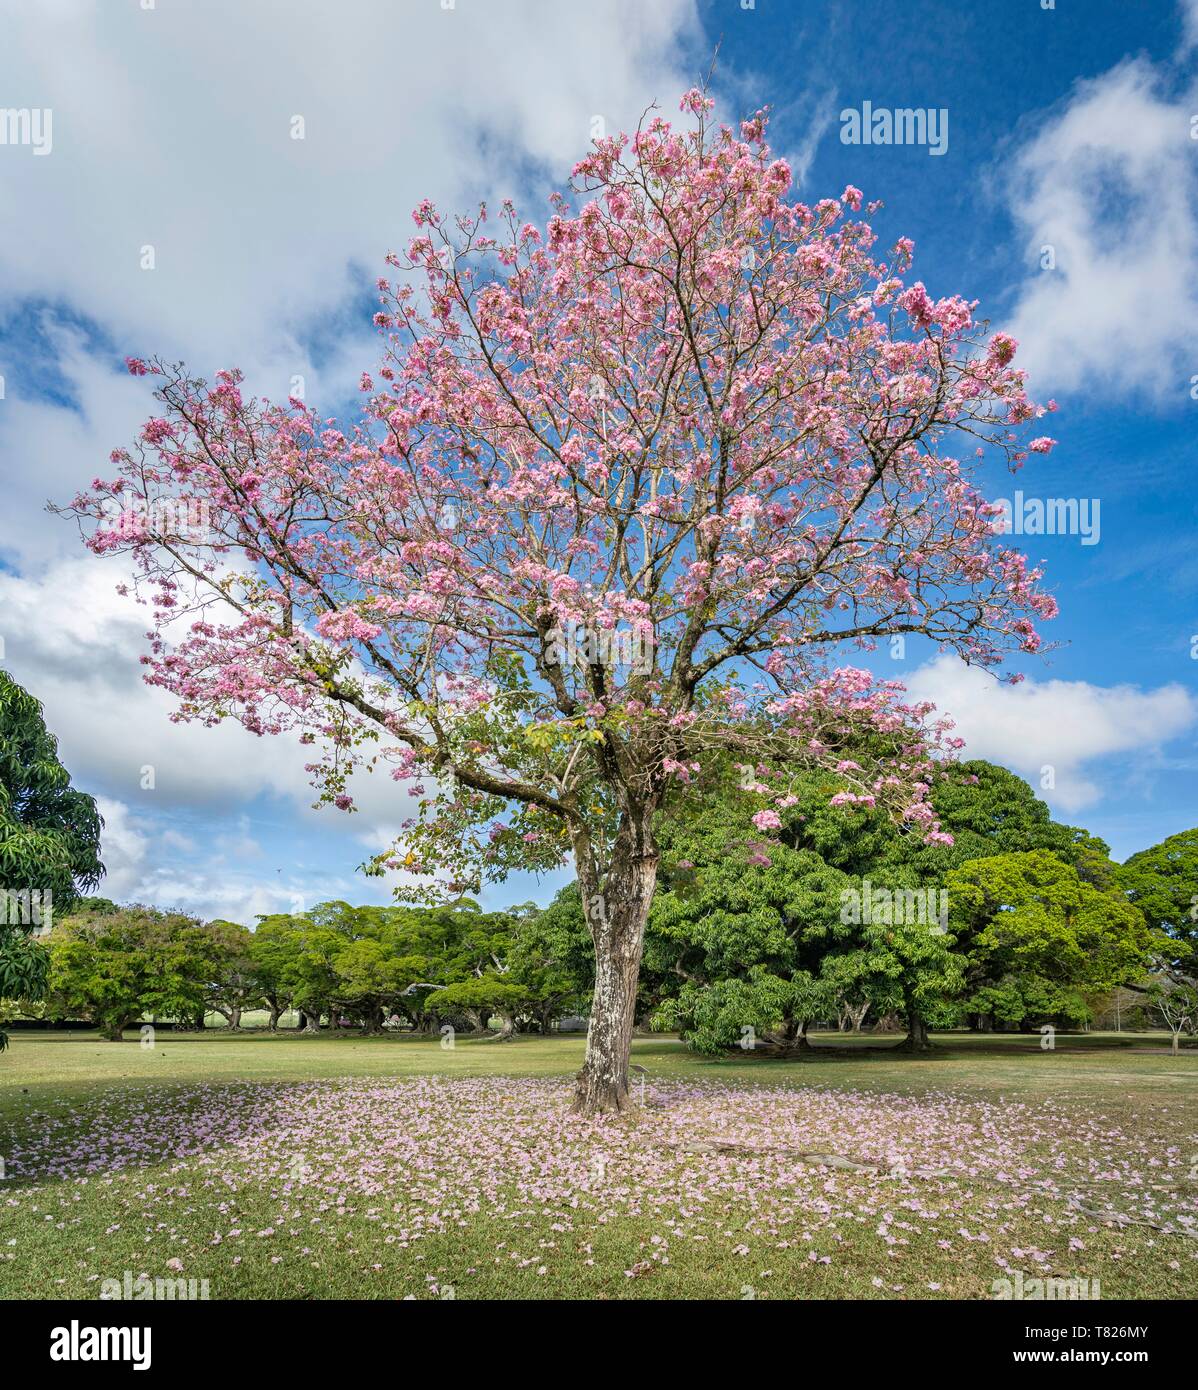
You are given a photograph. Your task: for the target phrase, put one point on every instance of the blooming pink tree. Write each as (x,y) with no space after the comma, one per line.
(620,491)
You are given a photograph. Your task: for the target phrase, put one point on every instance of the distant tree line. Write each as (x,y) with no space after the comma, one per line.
(825,916)
(1022,921)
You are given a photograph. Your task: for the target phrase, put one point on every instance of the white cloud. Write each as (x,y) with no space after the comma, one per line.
(172,129)
(138,870)
(75,643)
(50,451)
(1054,723)
(1110,183)
(124,853)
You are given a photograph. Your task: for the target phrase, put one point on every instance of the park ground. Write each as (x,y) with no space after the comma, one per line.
(282,1166)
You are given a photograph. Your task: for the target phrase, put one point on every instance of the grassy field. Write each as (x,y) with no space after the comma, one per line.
(339,1166)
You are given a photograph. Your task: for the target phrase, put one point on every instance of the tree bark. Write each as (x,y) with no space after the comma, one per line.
(917,1035)
(789,1037)
(617,917)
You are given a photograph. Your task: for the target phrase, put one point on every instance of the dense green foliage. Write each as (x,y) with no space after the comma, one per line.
(49,841)
(113,964)
(843,915)
(1036,937)
(837,917)
(1162,882)
(420,967)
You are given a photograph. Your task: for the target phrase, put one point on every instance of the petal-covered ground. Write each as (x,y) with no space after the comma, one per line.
(486,1186)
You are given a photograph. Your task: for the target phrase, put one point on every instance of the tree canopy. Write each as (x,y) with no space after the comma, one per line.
(49,841)
(623,492)
(1162,882)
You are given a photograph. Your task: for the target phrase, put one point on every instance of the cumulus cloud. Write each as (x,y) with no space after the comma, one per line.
(73,641)
(145,866)
(51,450)
(1057,724)
(173,146)
(1105,196)
(174,136)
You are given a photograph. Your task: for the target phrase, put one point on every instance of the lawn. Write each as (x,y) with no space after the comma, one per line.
(330,1167)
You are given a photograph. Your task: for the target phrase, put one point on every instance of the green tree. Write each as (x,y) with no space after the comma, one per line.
(232,984)
(114,965)
(735,945)
(480,996)
(298,958)
(552,958)
(371,975)
(1163,883)
(271,952)
(1176,1005)
(774,918)
(742,927)
(49,842)
(988,810)
(1036,937)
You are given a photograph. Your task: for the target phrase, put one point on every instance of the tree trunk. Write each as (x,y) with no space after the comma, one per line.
(275,1012)
(917,1035)
(311,1022)
(616,917)
(790,1036)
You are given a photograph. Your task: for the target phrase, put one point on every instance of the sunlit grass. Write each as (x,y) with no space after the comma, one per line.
(394,1167)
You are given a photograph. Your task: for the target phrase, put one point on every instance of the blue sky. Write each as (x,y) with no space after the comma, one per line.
(1069,128)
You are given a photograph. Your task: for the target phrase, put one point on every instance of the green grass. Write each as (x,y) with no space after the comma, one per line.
(1126,1070)
(1098,1106)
